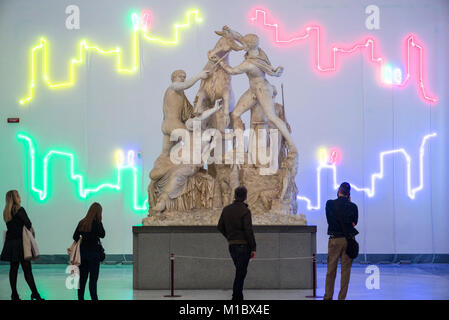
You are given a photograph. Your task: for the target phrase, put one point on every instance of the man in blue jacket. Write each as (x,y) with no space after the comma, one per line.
(342,216)
(236,225)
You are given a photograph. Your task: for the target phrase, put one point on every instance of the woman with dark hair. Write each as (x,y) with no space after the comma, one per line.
(90,229)
(16,218)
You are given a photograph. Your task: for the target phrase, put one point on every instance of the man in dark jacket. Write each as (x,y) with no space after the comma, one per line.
(236,225)
(340,213)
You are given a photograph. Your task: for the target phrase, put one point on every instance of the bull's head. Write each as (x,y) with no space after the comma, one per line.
(224,45)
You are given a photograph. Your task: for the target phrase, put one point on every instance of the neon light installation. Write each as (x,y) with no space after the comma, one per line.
(193,13)
(334,156)
(83,191)
(145,19)
(259,17)
(370,191)
(140,24)
(391,76)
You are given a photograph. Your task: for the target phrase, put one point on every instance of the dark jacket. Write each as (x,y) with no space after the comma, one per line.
(91,240)
(236,225)
(345,209)
(13,247)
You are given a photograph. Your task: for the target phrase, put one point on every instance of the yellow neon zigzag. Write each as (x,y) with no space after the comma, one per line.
(85,47)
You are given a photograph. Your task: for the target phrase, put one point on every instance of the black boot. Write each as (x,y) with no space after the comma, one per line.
(15,296)
(36,296)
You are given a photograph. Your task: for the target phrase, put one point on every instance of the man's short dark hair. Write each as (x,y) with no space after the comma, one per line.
(345,189)
(240,193)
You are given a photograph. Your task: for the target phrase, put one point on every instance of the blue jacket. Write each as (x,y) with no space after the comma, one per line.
(350,215)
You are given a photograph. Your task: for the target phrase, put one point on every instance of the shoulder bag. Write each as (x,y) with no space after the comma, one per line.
(352,249)
(101,251)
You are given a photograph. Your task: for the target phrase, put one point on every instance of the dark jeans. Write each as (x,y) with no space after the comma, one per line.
(27,272)
(240,254)
(90,267)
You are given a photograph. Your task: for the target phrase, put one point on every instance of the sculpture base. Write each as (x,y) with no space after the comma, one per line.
(209,217)
(152,246)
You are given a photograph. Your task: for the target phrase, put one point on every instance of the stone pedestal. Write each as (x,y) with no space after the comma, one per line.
(152,246)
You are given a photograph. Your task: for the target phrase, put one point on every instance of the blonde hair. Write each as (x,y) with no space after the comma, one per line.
(12,205)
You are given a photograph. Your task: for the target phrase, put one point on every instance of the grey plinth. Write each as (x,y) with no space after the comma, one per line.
(152,246)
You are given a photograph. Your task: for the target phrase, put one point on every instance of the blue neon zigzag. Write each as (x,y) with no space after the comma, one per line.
(370,191)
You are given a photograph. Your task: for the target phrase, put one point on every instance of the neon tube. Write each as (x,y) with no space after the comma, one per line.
(84,47)
(189,14)
(260,18)
(370,191)
(83,191)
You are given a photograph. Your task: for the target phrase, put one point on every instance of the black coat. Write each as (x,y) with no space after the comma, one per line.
(348,212)
(91,240)
(235,223)
(13,247)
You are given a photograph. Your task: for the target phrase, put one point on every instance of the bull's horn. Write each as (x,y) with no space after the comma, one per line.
(236,47)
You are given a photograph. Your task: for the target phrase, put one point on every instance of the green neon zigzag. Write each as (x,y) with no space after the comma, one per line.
(83,191)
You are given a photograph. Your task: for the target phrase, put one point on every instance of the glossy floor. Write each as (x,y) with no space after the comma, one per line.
(415,281)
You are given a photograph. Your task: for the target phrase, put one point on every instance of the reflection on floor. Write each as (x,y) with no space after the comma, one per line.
(415,281)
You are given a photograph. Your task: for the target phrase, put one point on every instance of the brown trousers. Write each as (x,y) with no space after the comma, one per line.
(337,250)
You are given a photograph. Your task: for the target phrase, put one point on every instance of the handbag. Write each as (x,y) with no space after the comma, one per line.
(74,253)
(101,251)
(30,249)
(352,249)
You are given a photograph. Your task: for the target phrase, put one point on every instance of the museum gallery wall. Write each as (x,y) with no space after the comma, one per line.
(362,90)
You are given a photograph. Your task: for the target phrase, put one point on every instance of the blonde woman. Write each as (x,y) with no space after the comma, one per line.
(16,218)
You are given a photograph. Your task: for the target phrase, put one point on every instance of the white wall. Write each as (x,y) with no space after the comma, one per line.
(105,110)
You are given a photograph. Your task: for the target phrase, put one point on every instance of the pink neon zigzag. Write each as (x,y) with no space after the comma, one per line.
(369,43)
